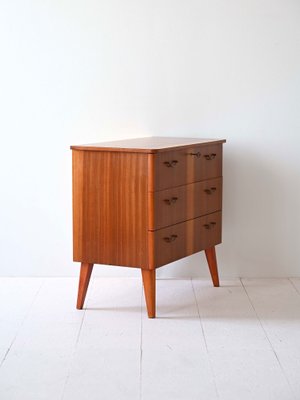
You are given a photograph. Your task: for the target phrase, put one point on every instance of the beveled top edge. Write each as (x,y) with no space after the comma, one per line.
(151,144)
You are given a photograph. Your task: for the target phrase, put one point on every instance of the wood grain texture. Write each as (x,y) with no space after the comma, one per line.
(186,238)
(149,290)
(212,264)
(145,203)
(188,165)
(185,202)
(110,208)
(151,209)
(152,144)
(84,280)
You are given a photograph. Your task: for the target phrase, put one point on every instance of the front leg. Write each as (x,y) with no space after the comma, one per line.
(84,279)
(149,289)
(213,266)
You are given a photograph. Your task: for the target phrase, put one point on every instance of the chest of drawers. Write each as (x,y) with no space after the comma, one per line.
(144,203)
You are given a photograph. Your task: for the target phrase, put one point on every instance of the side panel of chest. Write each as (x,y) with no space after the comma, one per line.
(110,208)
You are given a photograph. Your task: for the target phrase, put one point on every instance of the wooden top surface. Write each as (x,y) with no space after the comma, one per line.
(152,144)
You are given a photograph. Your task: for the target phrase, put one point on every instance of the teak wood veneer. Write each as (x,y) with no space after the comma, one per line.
(144,203)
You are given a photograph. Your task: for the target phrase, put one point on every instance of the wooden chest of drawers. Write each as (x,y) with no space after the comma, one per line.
(144,203)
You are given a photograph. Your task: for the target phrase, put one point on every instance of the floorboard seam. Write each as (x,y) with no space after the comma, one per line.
(205,342)
(141,348)
(22,323)
(74,350)
(294,286)
(268,339)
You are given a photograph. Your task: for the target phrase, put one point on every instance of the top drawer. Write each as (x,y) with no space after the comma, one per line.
(188,165)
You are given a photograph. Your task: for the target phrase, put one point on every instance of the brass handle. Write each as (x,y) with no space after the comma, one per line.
(210,191)
(171,201)
(210,156)
(171,238)
(209,225)
(198,154)
(171,163)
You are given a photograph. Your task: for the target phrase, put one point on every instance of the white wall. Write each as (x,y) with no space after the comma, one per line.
(84,71)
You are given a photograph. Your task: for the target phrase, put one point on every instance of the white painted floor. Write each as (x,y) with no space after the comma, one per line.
(237,342)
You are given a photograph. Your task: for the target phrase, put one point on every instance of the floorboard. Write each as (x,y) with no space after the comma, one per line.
(238,341)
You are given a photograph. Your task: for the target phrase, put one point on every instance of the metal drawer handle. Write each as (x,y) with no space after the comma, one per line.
(210,225)
(198,154)
(171,201)
(170,163)
(210,156)
(171,238)
(210,191)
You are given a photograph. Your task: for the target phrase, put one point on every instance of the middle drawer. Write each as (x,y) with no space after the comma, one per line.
(184,202)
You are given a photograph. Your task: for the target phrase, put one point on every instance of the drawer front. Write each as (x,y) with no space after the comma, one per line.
(184,239)
(192,164)
(186,202)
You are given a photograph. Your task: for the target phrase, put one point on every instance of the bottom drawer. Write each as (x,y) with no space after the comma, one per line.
(183,239)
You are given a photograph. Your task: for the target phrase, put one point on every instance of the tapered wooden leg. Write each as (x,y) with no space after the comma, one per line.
(149,290)
(84,279)
(213,266)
